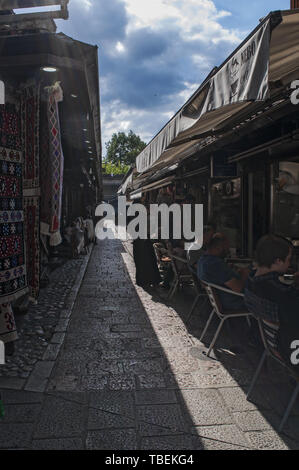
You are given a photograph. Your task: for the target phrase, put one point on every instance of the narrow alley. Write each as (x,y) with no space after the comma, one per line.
(131,375)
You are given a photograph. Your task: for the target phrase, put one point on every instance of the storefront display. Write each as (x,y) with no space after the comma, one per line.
(286,203)
(226,211)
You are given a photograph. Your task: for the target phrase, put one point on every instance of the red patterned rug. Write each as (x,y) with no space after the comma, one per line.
(52,164)
(13,279)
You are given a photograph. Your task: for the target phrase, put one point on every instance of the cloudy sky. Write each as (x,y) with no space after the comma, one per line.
(153,54)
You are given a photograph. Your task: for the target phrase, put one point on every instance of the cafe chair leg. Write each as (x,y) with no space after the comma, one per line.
(256,375)
(216,337)
(193,307)
(207,325)
(173,289)
(289,408)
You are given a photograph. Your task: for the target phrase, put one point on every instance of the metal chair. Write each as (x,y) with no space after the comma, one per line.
(180,274)
(161,253)
(269,328)
(218,310)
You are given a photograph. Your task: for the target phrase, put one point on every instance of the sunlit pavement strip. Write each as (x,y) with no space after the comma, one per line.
(131,375)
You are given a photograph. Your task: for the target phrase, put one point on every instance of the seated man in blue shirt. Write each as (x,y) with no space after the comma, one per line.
(212,268)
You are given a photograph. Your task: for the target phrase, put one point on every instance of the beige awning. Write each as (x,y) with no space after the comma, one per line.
(128,182)
(11,4)
(150,187)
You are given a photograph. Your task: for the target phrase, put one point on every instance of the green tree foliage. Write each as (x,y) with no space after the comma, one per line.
(123,149)
(114,169)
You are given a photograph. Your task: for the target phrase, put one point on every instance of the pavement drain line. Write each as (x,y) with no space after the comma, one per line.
(160,426)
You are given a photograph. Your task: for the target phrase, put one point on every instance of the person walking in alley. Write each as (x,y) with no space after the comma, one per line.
(147,271)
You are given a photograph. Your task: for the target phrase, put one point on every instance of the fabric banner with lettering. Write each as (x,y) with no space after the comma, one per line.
(245,76)
(242,79)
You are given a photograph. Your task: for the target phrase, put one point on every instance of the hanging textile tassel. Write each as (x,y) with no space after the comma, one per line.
(2,414)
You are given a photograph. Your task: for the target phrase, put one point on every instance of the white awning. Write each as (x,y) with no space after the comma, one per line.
(242,79)
(136,195)
(150,187)
(11,4)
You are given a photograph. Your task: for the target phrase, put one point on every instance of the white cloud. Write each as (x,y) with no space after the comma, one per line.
(153,55)
(87,4)
(117,118)
(195,19)
(184,95)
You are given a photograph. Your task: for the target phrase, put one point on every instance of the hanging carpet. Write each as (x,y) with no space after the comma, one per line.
(30,104)
(13,279)
(32,235)
(10,127)
(30,136)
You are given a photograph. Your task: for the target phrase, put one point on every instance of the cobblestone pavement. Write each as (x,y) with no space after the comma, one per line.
(41,330)
(132,374)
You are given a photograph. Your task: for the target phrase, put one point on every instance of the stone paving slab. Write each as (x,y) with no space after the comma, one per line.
(11,383)
(108,382)
(270,440)
(13,397)
(58,444)
(43,327)
(156,397)
(161,419)
(122,439)
(226,437)
(60,418)
(15,436)
(169,443)
(39,377)
(206,407)
(21,413)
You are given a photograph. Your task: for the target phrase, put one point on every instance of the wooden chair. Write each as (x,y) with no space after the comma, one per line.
(218,310)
